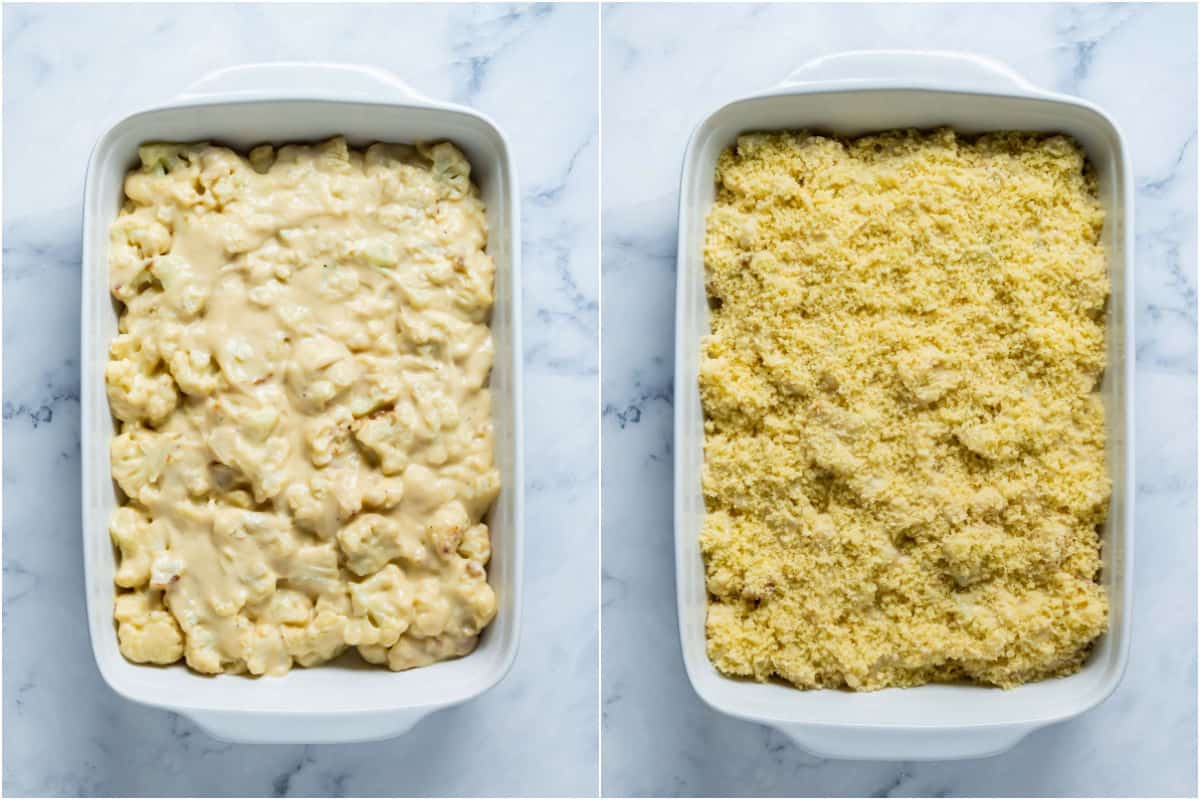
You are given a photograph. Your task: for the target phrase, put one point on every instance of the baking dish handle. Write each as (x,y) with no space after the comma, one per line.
(939,69)
(268,728)
(302,79)
(905,744)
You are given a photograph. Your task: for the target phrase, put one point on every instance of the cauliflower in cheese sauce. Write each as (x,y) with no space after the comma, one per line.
(301,383)
(904,445)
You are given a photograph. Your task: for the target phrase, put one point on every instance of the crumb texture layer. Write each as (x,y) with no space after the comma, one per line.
(904,443)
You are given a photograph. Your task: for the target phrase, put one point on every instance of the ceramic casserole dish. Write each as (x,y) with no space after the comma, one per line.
(851,94)
(280,103)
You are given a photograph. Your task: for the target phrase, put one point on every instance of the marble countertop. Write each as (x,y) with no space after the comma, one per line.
(70,71)
(659,78)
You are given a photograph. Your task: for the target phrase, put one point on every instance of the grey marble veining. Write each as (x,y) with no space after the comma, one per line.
(70,71)
(664,68)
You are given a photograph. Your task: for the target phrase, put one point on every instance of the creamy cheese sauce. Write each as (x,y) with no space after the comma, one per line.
(301,379)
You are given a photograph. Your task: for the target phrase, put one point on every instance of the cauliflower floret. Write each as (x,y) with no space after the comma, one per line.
(323,637)
(431,605)
(165,570)
(381,608)
(377,251)
(379,386)
(475,482)
(263,650)
(474,288)
(476,544)
(146,632)
(184,290)
(160,158)
(202,652)
(328,436)
(411,651)
(248,543)
(195,370)
(314,569)
(425,491)
(412,431)
(263,464)
(475,600)
(319,371)
(450,167)
(382,494)
(139,457)
(446,337)
(135,238)
(140,542)
(333,155)
(326,501)
(446,529)
(386,437)
(370,542)
(261,158)
(168,180)
(255,415)
(285,607)
(226,176)
(136,390)
(242,362)
(338,283)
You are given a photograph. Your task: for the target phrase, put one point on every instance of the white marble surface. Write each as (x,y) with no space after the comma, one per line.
(666,67)
(68,70)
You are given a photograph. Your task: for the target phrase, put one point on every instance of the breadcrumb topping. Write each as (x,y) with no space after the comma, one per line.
(904,443)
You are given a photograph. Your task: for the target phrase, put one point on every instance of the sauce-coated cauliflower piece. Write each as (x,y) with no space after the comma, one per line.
(263,464)
(137,390)
(133,241)
(413,429)
(244,362)
(146,632)
(473,602)
(446,529)
(139,457)
(285,607)
(321,369)
(381,608)
(382,494)
(195,371)
(323,637)
(370,541)
(328,436)
(476,544)
(140,541)
(379,386)
(326,501)
(248,545)
(314,569)
(410,651)
(264,650)
(185,291)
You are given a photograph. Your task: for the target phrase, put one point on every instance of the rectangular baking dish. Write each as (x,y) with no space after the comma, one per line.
(295,102)
(854,93)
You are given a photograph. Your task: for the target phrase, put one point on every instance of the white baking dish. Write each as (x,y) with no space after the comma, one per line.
(854,93)
(289,102)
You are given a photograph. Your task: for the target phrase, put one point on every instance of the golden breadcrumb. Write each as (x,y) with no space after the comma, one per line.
(904,443)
